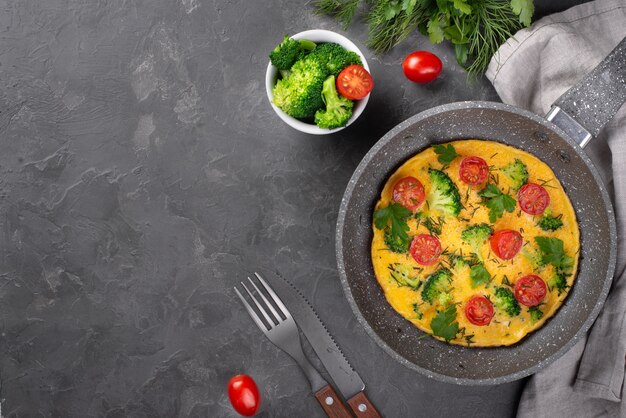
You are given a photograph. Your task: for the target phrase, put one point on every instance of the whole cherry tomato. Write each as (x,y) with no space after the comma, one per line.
(422,66)
(244,395)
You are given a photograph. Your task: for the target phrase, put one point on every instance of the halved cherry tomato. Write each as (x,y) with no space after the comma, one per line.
(409,192)
(530,290)
(479,310)
(425,249)
(473,170)
(244,395)
(506,243)
(354,82)
(533,198)
(422,66)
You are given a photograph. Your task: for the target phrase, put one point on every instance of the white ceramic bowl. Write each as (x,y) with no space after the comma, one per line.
(317,36)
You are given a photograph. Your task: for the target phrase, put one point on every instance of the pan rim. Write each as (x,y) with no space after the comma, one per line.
(341,219)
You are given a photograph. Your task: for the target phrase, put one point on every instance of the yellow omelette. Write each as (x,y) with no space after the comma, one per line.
(489,249)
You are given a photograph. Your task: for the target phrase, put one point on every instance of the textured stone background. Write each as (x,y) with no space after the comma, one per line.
(143,173)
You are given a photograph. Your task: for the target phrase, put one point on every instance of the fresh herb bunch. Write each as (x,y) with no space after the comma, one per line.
(477,28)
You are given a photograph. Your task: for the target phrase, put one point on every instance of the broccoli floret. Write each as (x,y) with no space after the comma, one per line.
(458,263)
(300,94)
(534,257)
(444,195)
(288,52)
(395,242)
(338,108)
(535,314)
(437,288)
(404,275)
(550,223)
(335,57)
(558,282)
(505,301)
(517,173)
(475,236)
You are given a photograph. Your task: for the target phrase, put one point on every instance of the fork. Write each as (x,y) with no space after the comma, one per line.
(282,331)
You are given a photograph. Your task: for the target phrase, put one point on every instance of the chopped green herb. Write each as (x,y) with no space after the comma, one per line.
(404,275)
(416,309)
(444,324)
(446,154)
(496,201)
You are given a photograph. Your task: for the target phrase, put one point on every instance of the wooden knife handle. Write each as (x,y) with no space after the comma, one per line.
(332,404)
(363,407)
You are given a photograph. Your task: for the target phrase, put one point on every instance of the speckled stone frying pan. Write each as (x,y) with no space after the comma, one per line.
(558,140)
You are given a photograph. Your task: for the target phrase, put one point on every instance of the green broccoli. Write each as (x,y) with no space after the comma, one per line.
(335,57)
(437,288)
(338,108)
(517,173)
(534,256)
(288,52)
(405,275)
(550,223)
(300,94)
(458,262)
(559,282)
(505,300)
(444,195)
(475,236)
(535,314)
(395,243)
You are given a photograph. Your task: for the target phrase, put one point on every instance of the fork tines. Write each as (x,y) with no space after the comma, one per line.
(269,311)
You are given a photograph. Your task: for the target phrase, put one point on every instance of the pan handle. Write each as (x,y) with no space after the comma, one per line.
(583,110)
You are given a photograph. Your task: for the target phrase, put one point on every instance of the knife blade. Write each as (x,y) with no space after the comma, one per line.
(345,377)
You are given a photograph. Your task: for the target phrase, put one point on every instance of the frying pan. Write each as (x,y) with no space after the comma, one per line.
(558,140)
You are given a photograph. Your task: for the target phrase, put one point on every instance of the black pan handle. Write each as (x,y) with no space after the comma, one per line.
(583,110)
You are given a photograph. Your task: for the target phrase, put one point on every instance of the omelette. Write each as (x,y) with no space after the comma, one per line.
(475,242)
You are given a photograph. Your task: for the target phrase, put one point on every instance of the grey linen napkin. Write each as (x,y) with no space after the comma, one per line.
(532,70)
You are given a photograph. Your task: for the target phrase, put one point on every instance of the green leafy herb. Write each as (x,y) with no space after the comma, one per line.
(444,324)
(479,275)
(433,225)
(535,314)
(445,154)
(396,235)
(475,28)
(404,275)
(552,252)
(496,201)
(416,309)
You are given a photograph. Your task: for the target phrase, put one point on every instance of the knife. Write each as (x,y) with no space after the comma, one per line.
(346,379)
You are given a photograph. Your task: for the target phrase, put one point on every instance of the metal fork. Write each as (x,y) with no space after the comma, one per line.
(282,331)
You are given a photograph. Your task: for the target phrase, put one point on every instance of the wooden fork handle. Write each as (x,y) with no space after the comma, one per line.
(363,407)
(331,403)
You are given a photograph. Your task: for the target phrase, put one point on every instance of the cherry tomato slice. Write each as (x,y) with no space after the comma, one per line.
(530,290)
(422,66)
(533,198)
(479,310)
(244,395)
(354,82)
(409,192)
(506,243)
(473,170)
(425,249)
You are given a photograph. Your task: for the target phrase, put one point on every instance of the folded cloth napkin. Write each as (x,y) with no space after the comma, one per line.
(532,70)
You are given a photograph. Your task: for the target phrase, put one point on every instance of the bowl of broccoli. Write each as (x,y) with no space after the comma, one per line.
(301,81)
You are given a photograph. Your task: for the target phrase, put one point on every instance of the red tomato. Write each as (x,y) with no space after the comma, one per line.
(533,198)
(354,82)
(421,66)
(530,290)
(506,243)
(244,395)
(409,192)
(473,170)
(479,310)
(425,249)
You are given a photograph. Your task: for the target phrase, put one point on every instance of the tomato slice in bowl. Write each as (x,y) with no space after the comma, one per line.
(425,249)
(473,170)
(533,198)
(530,290)
(506,243)
(479,310)
(409,192)
(354,82)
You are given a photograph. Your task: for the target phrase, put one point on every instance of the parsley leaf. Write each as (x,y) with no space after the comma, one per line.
(396,236)
(496,201)
(552,252)
(443,324)
(479,275)
(524,9)
(446,154)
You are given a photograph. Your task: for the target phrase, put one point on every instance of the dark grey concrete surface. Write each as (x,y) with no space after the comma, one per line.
(143,174)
